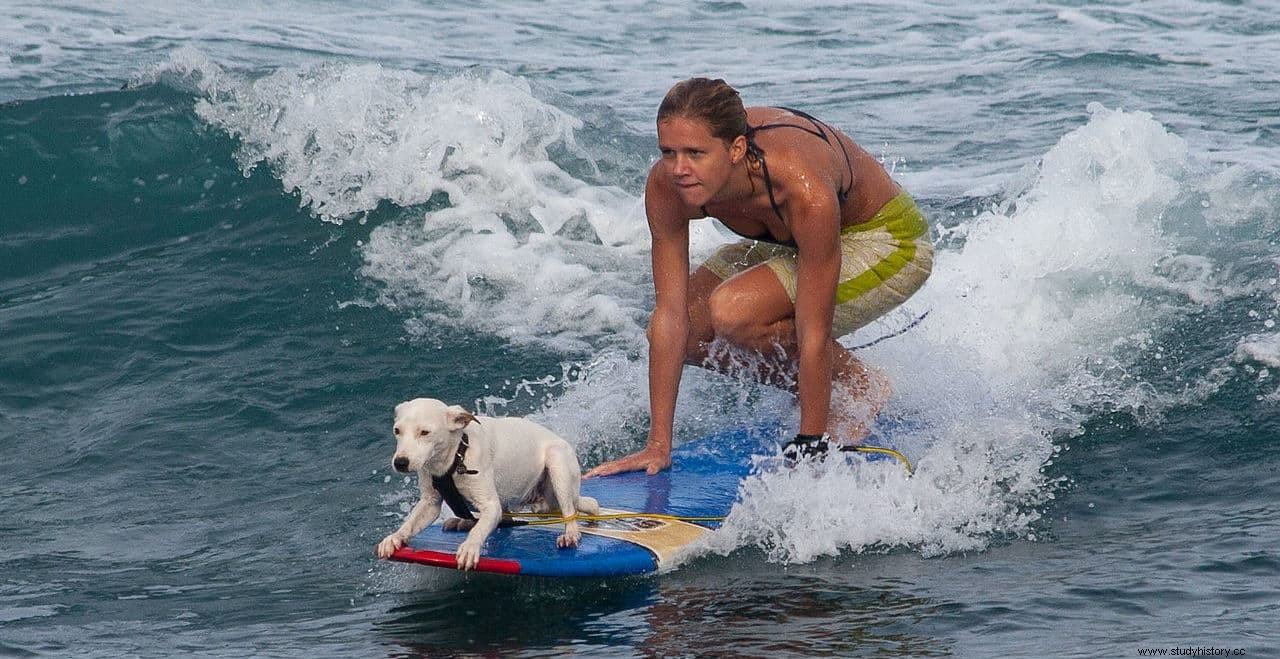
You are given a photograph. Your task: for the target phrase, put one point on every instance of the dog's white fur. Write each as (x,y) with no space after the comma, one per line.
(518,462)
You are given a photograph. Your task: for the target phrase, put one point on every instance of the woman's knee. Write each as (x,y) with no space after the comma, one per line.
(733,316)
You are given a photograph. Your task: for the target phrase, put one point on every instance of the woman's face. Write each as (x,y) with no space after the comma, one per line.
(697,162)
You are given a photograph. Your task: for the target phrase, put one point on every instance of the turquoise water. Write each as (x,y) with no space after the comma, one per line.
(232,241)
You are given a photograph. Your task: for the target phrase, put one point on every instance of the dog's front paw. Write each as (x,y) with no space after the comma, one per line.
(468,555)
(390,544)
(570,538)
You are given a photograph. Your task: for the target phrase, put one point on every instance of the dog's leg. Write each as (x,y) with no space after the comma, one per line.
(488,516)
(566,479)
(426,512)
(458,524)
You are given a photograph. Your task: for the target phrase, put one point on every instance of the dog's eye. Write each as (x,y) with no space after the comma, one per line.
(397,430)
(424,433)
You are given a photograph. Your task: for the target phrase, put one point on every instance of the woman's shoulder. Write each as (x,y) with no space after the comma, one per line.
(758,114)
(786,149)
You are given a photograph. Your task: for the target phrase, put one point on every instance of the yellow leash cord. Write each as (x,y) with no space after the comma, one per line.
(885,451)
(556,518)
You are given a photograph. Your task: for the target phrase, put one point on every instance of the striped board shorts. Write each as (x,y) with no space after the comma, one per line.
(885,260)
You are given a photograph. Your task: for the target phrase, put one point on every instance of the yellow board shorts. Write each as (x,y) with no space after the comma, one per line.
(884,261)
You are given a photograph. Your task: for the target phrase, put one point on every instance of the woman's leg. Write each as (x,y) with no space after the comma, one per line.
(753,312)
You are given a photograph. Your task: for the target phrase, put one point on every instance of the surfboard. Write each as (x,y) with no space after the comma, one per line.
(644,520)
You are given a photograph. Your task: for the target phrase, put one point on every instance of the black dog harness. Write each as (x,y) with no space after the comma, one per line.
(449,489)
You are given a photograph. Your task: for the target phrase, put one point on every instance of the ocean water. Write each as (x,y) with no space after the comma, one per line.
(232,238)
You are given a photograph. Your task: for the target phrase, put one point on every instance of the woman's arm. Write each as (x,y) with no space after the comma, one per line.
(815,226)
(668,329)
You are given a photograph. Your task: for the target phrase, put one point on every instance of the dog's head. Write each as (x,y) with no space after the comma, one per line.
(426,430)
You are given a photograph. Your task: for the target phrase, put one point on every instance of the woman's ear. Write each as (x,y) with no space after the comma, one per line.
(738,149)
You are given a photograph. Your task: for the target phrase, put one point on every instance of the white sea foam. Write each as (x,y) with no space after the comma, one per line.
(1259,355)
(1261,348)
(512,244)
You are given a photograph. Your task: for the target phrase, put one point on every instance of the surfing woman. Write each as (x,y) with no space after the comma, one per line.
(831,242)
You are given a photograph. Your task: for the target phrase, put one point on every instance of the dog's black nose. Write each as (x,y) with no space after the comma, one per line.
(401,464)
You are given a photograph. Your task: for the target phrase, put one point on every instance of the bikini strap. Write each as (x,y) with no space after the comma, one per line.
(768,182)
(820,133)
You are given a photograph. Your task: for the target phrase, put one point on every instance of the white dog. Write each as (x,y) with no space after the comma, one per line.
(494,464)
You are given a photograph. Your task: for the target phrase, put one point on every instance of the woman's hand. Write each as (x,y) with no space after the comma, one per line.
(651,460)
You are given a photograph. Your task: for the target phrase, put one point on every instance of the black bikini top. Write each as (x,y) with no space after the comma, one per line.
(819,130)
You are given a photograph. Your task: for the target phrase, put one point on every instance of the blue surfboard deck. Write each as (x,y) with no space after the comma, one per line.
(702,482)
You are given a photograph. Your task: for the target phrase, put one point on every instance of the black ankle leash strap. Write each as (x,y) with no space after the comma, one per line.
(807,446)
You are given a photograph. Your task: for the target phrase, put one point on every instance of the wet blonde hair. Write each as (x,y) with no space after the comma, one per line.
(713,102)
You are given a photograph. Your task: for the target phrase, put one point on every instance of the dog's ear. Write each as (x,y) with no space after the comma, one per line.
(459,418)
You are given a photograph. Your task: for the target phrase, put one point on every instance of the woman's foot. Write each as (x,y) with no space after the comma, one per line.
(855,405)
